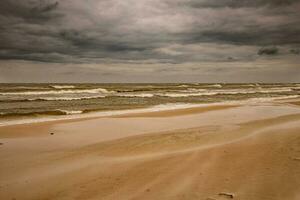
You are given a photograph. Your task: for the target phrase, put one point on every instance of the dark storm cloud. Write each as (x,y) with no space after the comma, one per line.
(258,36)
(238,3)
(31,11)
(91,43)
(158,31)
(295,51)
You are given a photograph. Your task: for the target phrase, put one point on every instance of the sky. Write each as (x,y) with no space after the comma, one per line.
(149,41)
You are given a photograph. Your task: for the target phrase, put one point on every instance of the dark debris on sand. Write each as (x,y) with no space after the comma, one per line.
(228,195)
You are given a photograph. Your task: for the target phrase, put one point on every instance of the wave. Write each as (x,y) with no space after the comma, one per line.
(28,87)
(48,112)
(183,86)
(197,89)
(64,98)
(58,95)
(75,114)
(250,85)
(217,85)
(143,95)
(185,94)
(70,112)
(269,99)
(62,86)
(227,92)
(87,91)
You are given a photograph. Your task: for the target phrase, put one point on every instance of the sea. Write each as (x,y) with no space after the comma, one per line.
(56,101)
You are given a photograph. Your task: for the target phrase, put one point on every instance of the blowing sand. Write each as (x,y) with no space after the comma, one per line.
(248,152)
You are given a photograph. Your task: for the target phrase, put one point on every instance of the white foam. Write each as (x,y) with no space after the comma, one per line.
(259,100)
(183,86)
(217,85)
(88,91)
(62,86)
(184,94)
(201,92)
(143,95)
(71,112)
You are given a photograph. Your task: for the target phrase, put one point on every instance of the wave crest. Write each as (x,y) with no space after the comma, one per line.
(87,91)
(65,98)
(62,86)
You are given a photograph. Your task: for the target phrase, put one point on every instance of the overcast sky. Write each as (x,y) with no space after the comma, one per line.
(150,41)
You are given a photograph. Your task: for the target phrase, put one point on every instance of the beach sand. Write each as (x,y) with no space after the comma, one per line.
(249,152)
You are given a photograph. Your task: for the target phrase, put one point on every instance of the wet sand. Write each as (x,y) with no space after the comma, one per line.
(224,152)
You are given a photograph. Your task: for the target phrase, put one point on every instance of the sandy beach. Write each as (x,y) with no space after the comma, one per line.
(245,151)
(150,100)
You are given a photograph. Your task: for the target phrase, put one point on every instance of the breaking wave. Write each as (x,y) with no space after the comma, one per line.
(143,95)
(87,91)
(70,112)
(226,92)
(37,113)
(62,86)
(65,98)
(217,85)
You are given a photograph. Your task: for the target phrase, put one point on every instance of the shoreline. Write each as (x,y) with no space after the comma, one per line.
(45,126)
(99,114)
(141,111)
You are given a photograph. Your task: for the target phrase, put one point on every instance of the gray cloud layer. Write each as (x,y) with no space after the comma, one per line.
(151,32)
(83,31)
